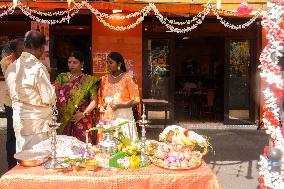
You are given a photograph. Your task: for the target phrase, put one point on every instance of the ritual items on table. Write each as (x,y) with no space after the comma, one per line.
(178,149)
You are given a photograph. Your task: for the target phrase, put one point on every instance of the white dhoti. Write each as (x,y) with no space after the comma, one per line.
(129,129)
(31,125)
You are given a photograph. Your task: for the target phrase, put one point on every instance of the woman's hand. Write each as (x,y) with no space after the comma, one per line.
(77,117)
(102,109)
(115,107)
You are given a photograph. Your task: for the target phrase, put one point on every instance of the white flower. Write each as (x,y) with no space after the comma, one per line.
(108,100)
(125,162)
(198,138)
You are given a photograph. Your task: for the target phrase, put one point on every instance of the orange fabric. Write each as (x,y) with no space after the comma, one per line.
(121,92)
(149,177)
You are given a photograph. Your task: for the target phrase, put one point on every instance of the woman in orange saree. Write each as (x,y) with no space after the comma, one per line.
(77,99)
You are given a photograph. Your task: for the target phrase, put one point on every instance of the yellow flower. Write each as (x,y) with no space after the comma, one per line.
(134,161)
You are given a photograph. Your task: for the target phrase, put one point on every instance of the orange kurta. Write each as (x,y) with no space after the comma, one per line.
(124,90)
(121,91)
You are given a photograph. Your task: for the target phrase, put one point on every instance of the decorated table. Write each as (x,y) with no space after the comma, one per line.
(148,177)
(175,161)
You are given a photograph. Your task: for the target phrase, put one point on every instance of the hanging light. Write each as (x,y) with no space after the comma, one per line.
(116,11)
(218,4)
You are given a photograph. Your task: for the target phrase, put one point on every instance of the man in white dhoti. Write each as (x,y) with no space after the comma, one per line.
(31,92)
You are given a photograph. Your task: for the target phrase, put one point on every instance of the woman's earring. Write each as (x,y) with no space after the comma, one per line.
(82,68)
(118,68)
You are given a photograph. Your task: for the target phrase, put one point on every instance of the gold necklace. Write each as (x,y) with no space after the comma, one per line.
(117,75)
(71,76)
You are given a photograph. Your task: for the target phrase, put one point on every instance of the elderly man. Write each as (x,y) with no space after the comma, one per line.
(31,92)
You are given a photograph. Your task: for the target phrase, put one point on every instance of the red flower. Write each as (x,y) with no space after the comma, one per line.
(244,8)
(186,132)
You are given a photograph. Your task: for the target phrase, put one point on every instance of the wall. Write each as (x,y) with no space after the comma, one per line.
(128,43)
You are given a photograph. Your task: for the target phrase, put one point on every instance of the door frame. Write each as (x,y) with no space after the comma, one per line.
(252,82)
(171,38)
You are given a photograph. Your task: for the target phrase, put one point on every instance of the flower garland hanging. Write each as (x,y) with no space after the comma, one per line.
(270,73)
(232,26)
(57,13)
(195,21)
(278,2)
(121,28)
(174,22)
(271,180)
(174,29)
(28,13)
(144,11)
(10,10)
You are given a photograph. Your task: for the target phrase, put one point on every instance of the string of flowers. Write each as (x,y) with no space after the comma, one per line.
(232,26)
(197,20)
(10,10)
(174,22)
(270,73)
(271,180)
(225,12)
(121,28)
(278,2)
(144,11)
(178,30)
(67,18)
(57,13)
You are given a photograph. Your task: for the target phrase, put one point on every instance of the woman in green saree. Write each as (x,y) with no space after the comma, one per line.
(77,98)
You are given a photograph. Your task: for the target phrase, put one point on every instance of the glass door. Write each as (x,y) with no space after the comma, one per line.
(157,82)
(157,68)
(237,82)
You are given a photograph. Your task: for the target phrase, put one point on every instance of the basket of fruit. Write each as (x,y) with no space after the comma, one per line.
(179,149)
